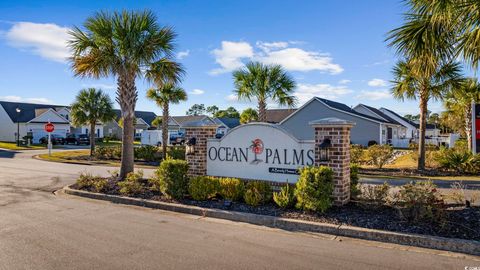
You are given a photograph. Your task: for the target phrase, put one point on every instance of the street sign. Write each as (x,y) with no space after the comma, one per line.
(49,127)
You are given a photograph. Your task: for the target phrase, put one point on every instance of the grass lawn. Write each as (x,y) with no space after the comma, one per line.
(82,157)
(114,143)
(13,146)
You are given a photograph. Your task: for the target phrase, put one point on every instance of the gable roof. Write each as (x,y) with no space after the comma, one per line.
(28,111)
(380,114)
(181,120)
(228,122)
(414,124)
(277,115)
(148,117)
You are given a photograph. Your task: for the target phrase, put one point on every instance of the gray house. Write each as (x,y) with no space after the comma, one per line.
(367,128)
(143,122)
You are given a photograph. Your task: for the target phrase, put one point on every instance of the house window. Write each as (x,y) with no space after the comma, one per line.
(98,132)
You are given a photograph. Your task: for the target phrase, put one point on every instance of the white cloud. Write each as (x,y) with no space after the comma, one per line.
(232,54)
(47,40)
(229,56)
(100,85)
(306,92)
(377,83)
(183,54)
(231,98)
(26,100)
(374,95)
(197,92)
(378,63)
(344,81)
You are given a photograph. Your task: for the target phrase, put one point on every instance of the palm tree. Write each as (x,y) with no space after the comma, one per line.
(123,45)
(90,107)
(248,115)
(264,82)
(459,102)
(163,96)
(410,84)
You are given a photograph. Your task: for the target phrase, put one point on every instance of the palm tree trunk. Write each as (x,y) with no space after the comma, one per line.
(423,125)
(92,138)
(262,110)
(468,126)
(165,130)
(127,98)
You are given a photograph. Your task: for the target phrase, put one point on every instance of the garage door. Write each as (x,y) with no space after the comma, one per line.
(39,133)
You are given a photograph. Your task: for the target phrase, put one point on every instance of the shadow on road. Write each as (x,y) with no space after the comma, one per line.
(7,154)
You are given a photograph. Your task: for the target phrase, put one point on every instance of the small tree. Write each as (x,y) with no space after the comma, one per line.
(378,155)
(248,115)
(196,109)
(230,112)
(90,107)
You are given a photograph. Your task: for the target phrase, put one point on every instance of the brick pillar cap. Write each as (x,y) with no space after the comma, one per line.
(331,122)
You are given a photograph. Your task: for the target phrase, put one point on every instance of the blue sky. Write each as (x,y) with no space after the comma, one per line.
(333,49)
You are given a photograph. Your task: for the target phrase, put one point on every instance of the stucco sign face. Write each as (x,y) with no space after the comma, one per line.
(259,151)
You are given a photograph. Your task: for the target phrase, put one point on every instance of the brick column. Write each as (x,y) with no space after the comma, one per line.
(197,162)
(338,131)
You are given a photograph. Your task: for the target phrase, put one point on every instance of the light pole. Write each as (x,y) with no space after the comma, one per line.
(18,126)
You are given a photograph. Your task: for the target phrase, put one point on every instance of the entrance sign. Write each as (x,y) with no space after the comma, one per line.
(49,127)
(259,151)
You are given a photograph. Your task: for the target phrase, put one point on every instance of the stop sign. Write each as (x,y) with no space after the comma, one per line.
(49,127)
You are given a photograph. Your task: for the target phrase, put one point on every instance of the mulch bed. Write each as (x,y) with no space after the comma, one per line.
(408,172)
(459,222)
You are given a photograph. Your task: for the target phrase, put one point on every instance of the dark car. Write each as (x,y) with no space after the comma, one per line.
(178,138)
(56,139)
(77,139)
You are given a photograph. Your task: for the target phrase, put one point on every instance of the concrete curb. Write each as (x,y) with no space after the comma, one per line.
(425,241)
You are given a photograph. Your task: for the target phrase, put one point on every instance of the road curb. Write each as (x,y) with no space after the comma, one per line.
(424,241)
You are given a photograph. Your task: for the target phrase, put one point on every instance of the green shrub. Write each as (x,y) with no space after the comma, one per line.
(176,152)
(356,154)
(419,201)
(378,155)
(257,193)
(314,189)
(286,197)
(354,191)
(202,188)
(92,183)
(375,193)
(231,188)
(132,185)
(108,152)
(171,178)
(147,153)
(458,160)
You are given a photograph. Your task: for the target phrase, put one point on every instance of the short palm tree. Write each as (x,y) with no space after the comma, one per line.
(262,82)
(248,115)
(459,102)
(163,96)
(123,45)
(90,107)
(409,83)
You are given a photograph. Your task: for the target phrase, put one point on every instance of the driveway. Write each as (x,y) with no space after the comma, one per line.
(41,230)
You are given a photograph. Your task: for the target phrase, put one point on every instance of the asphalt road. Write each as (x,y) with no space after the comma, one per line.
(41,230)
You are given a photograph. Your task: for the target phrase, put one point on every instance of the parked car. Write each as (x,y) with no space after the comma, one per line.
(77,139)
(56,139)
(177,138)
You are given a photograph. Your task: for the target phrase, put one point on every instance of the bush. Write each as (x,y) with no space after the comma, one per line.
(93,183)
(132,185)
(108,152)
(314,189)
(171,178)
(231,188)
(147,153)
(354,191)
(202,188)
(419,201)
(458,160)
(378,155)
(176,152)
(257,193)
(356,154)
(286,197)
(377,194)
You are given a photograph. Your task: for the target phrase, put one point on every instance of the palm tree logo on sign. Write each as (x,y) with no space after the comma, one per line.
(257,149)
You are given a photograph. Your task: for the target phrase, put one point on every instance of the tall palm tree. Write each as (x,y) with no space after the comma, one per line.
(459,102)
(90,107)
(263,82)
(163,96)
(409,83)
(122,45)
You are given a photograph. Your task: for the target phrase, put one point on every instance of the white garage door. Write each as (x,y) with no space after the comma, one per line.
(39,133)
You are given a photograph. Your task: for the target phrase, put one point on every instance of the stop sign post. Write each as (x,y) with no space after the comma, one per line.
(49,128)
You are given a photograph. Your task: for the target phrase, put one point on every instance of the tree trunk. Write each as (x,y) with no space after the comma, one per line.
(262,110)
(421,139)
(165,130)
(468,126)
(92,138)
(127,98)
